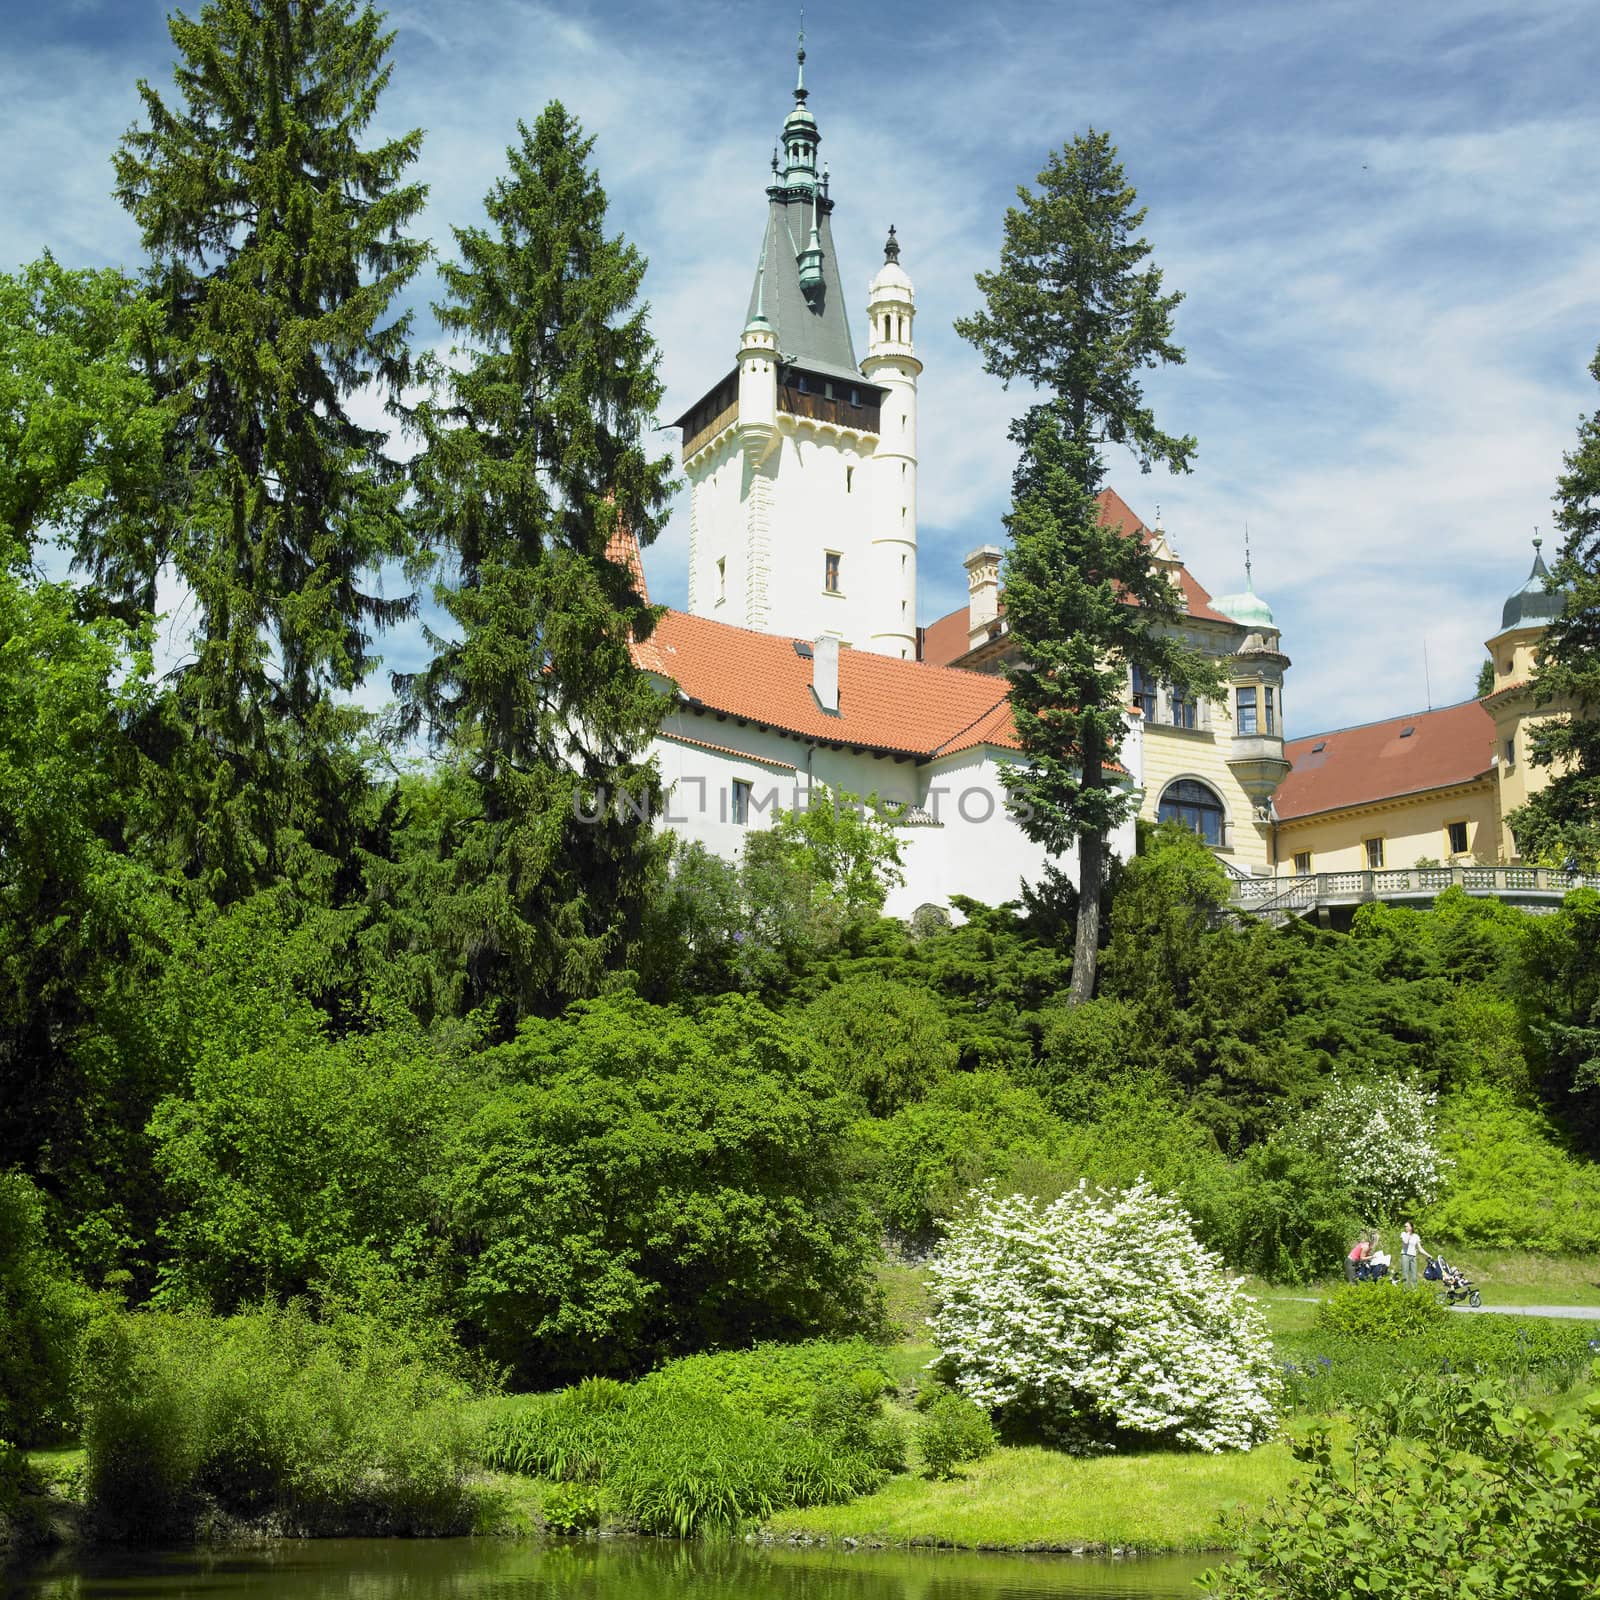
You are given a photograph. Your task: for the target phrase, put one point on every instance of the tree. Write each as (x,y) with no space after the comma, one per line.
(885,1042)
(277,250)
(534,466)
(81,437)
(1562,821)
(1485,686)
(1075,314)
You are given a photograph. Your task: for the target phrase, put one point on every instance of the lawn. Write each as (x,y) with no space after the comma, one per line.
(1026,1498)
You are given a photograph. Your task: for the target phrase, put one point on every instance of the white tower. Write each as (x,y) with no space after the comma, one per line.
(892,365)
(801,463)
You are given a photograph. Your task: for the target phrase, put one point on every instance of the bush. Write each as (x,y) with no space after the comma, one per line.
(957,1430)
(717,1440)
(1279,1211)
(1423,1520)
(1101,1320)
(1514,1186)
(1381,1138)
(886,1043)
(571,1508)
(41,1319)
(1379,1311)
(1325,1372)
(321,1428)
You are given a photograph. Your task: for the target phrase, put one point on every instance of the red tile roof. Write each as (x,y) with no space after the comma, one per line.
(945,640)
(623,548)
(902,707)
(1363,765)
(727,750)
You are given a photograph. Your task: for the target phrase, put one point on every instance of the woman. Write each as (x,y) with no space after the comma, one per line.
(1359,1252)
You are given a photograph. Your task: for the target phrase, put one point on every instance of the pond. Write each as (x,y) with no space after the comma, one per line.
(475,1569)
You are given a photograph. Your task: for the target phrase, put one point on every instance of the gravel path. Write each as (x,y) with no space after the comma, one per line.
(1576,1313)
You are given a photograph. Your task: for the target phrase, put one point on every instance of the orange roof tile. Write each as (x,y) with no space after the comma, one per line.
(623,548)
(900,707)
(946,639)
(1373,762)
(727,750)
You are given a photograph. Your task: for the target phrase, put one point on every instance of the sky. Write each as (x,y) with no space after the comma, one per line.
(1383,219)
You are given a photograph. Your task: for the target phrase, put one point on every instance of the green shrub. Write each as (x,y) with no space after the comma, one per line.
(780,1381)
(1379,1311)
(569,1437)
(571,1508)
(41,1320)
(886,1043)
(955,1430)
(1325,1372)
(1416,1517)
(325,1428)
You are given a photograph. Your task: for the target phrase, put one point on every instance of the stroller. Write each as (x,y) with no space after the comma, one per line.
(1454,1286)
(1374,1272)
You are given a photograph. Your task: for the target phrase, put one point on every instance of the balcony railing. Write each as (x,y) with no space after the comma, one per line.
(1545,885)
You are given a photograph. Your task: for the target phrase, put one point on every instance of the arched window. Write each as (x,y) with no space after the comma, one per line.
(1196,805)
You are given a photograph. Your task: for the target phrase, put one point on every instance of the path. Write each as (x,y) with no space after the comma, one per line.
(1574,1313)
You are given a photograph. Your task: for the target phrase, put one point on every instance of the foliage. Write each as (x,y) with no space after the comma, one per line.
(954,1431)
(1074,312)
(41,1317)
(81,438)
(1377,1311)
(291,1158)
(1100,1319)
(1381,1137)
(638,1183)
(1281,1210)
(276,250)
(84,925)
(886,1043)
(715,1441)
(1485,684)
(1561,822)
(1514,1185)
(1207,1007)
(972,1129)
(325,1428)
(1560,1001)
(1418,1518)
(534,463)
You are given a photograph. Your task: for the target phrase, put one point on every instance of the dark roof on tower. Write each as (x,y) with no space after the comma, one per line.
(811,333)
(1533,605)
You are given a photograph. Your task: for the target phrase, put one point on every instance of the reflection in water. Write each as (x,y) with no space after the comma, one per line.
(469,1569)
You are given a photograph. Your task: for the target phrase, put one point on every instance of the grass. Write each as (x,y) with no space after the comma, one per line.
(1025,1498)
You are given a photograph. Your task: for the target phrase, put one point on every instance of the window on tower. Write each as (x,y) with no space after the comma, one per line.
(830,572)
(1245,723)
(849,478)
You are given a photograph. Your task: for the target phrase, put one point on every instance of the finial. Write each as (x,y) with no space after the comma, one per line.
(1247,580)
(1158,515)
(775,160)
(800,57)
(1537,541)
(891,246)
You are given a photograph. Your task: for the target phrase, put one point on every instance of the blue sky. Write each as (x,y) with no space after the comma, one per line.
(1383,218)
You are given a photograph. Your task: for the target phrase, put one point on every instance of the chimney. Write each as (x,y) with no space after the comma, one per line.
(983,592)
(825,672)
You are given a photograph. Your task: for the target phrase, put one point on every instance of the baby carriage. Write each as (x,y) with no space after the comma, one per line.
(1374,1272)
(1454,1286)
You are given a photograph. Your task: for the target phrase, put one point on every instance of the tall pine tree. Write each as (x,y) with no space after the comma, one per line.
(1075,313)
(278,247)
(1562,821)
(535,463)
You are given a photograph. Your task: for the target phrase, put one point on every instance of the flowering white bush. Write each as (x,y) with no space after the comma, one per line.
(1101,1315)
(1382,1139)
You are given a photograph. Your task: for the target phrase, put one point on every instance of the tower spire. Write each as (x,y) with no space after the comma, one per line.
(800,57)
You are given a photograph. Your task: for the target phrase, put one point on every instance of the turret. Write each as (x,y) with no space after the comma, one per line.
(892,364)
(758,368)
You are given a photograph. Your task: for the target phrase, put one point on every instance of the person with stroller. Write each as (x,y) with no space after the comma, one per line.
(1410,1249)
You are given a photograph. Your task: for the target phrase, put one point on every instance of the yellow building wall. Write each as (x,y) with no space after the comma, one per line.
(1412,829)
(1172,753)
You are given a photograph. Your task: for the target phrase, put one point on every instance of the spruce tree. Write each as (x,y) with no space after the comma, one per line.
(534,464)
(277,248)
(1075,313)
(1562,821)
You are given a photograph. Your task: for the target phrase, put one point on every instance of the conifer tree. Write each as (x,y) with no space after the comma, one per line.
(1075,313)
(1562,821)
(534,464)
(277,249)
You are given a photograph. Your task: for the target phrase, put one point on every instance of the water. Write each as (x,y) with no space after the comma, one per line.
(474,1569)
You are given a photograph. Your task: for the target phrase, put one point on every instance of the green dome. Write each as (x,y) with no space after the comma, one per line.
(1249,610)
(1533,605)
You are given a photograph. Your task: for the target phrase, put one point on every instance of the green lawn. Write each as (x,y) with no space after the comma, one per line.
(1028,1498)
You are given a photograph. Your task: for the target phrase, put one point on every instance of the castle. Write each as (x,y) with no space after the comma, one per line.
(799,665)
